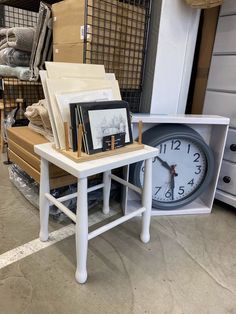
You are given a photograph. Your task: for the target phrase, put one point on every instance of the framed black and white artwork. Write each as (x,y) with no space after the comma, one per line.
(101,119)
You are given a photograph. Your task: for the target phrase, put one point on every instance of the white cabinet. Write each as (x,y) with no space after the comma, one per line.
(230,147)
(221,103)
(227,178)
(225,42)
(222,75)
(228,7)
(220,96)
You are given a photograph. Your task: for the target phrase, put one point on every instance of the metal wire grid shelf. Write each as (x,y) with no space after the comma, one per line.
(14,17)
(115,34)
(13,88)
(30,5)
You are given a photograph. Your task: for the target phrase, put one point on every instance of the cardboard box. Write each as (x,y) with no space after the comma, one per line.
(26,138)
(68,53)
(105,19)
(55,183)
(68,18)
(115,36)
(33,160)
(31,171)
(21,141)
(69,21)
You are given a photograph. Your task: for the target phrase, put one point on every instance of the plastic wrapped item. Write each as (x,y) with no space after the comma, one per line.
(30,190)
(42,45)
(13,57)
(25,184)
(8,122)
(71,204)
(14,118)
(22,73)
(20,119)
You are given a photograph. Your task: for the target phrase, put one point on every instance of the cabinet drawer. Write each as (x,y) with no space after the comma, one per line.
(222,75)
(230,147)
(227,178)
(228,7)
(222,104)
(225,42)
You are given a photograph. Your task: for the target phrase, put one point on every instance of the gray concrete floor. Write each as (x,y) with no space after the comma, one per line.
(189,266)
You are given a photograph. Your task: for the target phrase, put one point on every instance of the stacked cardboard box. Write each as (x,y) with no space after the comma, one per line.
(21,141)
(68,22)
(115,36)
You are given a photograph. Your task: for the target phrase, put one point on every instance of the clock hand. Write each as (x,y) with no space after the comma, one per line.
(172,170)
(172,185)
(164,163)
(172,180)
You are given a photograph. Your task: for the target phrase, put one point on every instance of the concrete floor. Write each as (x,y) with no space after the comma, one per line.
(189,266)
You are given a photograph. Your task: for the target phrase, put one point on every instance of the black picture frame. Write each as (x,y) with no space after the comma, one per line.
(73,130)
(105,110)
(75,121)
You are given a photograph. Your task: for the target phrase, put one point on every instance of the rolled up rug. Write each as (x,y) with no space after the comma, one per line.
(22,73)
(14,57)
(20,38)
(3,36)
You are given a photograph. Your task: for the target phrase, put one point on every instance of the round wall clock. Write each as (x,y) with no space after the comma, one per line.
(182,170)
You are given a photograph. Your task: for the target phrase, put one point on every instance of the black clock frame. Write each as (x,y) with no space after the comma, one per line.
(161,133)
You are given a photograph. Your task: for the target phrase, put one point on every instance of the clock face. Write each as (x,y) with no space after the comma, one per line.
(182,170)
(178,171)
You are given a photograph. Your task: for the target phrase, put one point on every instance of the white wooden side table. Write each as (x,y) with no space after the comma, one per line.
(82,171)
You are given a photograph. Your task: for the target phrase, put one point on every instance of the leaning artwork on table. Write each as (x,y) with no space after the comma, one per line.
(103,119)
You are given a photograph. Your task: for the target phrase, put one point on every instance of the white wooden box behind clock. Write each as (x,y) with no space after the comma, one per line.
(214,130)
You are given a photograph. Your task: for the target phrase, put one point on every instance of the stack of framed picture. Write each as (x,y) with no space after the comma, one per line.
(65,83)
(101,121)
(84,95)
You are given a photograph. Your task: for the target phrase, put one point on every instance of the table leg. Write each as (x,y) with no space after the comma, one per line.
(125,190)
(81,235)
(106,191)
(1,134)
(147,201)
(43,202)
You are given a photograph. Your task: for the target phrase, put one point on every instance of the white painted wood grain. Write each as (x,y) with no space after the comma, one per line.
(88,168)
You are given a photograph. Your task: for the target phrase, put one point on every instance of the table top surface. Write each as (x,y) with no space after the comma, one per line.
(88,168)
